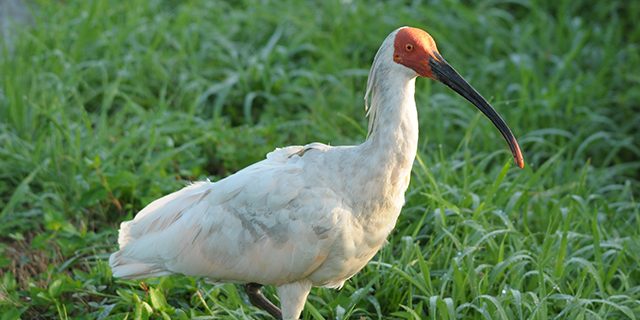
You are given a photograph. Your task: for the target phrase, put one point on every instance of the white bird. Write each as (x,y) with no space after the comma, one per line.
(305,216)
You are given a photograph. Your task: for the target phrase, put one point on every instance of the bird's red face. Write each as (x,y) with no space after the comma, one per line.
(413,48)
(416,50)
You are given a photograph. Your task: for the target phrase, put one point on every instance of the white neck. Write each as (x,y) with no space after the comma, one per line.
(393,126)
(392,142)
(393,123)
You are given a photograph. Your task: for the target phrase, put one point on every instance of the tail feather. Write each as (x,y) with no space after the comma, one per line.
(162,212)
(140,239)
(126,268)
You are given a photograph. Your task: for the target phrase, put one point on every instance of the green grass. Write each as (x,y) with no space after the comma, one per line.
(107,105)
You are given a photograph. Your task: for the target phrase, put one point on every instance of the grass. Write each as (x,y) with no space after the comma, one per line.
(107,105)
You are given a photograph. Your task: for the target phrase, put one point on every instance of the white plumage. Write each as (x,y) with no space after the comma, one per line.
(305,216)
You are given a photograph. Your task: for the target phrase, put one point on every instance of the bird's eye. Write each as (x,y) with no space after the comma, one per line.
(409,47)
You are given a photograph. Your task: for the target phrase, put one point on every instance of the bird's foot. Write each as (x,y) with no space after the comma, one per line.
(259,300)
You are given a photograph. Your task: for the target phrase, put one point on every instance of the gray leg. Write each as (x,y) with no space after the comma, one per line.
(259,300)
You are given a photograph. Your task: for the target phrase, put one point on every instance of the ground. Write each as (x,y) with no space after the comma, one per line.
(107,105)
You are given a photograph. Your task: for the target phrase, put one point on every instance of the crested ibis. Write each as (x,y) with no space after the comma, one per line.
(305,216)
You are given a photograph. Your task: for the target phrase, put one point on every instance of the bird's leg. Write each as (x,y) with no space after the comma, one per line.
(292,297)
(259,300)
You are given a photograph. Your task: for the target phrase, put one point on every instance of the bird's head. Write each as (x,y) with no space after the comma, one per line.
(415,49)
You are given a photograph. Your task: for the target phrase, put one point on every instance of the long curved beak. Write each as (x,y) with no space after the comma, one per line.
(447,75)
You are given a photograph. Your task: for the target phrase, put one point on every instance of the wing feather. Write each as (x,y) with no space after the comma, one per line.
(262,224)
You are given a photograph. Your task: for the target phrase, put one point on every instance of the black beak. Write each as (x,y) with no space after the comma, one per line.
(447,75)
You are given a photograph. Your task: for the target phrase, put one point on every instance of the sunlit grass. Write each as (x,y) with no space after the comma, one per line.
(106,105)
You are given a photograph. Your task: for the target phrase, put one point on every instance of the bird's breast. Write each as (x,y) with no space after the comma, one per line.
(363,232)
(370,187)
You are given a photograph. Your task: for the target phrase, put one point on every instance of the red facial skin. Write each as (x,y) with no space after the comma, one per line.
(413,48)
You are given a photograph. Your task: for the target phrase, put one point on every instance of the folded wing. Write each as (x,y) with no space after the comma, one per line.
(269,223)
